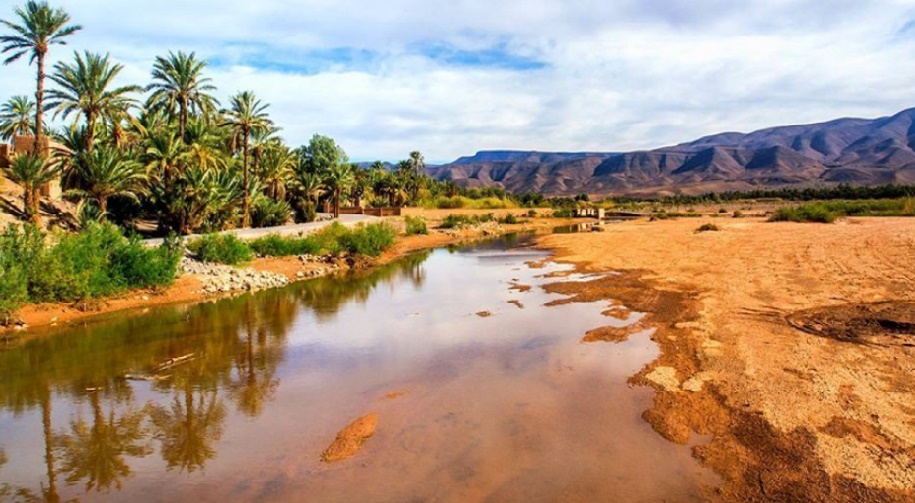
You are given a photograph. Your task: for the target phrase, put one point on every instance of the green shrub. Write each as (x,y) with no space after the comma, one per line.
(815,212)
(509,219)
(221,249)
(563,213)
(738,214)
(328,238)
(722,210)
(707,228)
(95,262)
(369,239)
(453,221)
(416,225)
(270,213)
(532,213)
(141,266)
(275,245)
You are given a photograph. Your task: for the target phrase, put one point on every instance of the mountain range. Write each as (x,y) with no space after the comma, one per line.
(854,151)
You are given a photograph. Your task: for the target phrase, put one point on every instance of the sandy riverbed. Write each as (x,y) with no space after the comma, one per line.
(789,416)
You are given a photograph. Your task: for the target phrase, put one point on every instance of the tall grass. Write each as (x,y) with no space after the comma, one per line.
(461,202)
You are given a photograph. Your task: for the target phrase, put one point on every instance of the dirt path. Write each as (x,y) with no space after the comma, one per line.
(792,416)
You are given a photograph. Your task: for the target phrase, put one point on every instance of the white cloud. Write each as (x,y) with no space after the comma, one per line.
(615,76)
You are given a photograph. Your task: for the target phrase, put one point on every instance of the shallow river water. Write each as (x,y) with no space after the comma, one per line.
(506,407)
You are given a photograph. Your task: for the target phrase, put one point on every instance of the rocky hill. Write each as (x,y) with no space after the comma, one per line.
(856,151)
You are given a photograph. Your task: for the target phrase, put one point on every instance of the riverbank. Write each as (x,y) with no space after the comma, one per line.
(190,288)
(783,415)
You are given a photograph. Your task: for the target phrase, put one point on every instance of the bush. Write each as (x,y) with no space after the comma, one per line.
(738,214)
(816,212)
(532,213)
(509,219)
(275,245)
(722,210)
(369,239)
(563,213)
(221,249)
(95,262)
(707,228)
(141,266)
(416,225)
(453,221)
(270,213)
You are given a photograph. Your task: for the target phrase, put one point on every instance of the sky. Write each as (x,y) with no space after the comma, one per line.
(453,77)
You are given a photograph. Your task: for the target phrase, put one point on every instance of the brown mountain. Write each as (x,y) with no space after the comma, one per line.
(856,151)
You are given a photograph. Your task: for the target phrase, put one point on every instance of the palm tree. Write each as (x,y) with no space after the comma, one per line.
(86,87)
(31,171)
(337,178)
(247,114)
(261,141)
(180,88)
(309,185)
(41,27)
(276,170)
(163,153)
(16,117)
(105,173)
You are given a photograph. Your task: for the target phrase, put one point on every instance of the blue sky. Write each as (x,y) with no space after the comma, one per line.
(450,78)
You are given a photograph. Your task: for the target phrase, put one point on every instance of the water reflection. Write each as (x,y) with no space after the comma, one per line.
(234,349)
(96,452)
(235,400)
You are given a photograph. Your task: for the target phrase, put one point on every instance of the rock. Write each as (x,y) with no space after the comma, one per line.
(350,439)
(665,377)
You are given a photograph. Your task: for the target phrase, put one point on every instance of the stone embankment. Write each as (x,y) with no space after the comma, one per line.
(217,278)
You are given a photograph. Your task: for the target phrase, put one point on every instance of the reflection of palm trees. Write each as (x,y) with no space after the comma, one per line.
(187,430)
(49,492)
(96,453)
(254,384)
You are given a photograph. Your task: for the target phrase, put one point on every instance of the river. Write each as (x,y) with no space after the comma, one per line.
(482,393)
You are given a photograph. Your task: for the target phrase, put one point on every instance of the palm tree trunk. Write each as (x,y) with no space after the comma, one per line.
(90,132)
(39,104)
(245,220)
(336,202)
(182,119)
(33,206)
(102,207)
(50,495)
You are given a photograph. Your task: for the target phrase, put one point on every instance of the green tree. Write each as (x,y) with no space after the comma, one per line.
(40,27)
(107,172)
(338,178)
(276,170)
(31,172)
(308,184)
(180,89)
(246,114)
(86,87)
(16,117)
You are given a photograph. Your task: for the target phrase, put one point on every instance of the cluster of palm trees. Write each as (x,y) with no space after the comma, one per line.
(175,155)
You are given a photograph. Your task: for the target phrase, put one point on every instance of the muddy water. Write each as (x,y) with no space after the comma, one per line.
(506,407)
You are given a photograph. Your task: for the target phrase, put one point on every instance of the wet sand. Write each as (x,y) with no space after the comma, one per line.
(791,416)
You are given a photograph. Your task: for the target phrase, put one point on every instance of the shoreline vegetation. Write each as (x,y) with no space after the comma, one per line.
(332,250)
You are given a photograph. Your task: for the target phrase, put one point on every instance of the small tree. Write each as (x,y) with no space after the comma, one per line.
(31,172)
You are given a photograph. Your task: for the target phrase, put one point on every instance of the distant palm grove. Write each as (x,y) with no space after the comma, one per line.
(169,151)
